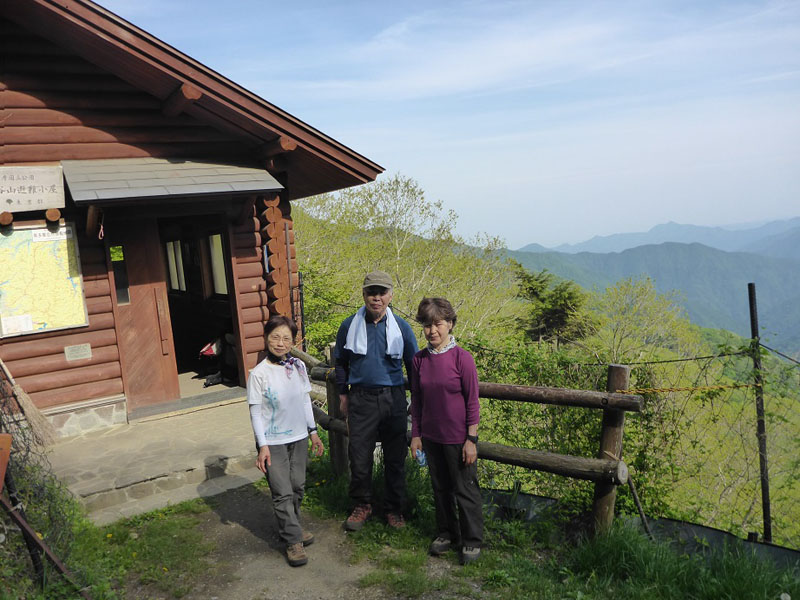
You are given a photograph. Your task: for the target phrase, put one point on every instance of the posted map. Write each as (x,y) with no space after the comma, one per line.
(40,281)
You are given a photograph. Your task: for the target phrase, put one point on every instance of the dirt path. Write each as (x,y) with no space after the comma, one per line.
(248,561)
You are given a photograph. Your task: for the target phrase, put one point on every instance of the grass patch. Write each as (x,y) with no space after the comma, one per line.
(537,561)
(162,550)
(164,554)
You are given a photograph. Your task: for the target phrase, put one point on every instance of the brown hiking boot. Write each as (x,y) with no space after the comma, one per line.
(308,538)
(296,554)
(395,520)
(358,517)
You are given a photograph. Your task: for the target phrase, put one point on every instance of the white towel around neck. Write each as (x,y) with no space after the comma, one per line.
(357,334)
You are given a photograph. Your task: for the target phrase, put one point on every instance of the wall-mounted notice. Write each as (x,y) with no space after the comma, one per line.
(31,188)
(41,288)
(78,352)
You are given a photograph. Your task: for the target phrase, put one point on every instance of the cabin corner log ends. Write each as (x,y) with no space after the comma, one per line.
(607,471)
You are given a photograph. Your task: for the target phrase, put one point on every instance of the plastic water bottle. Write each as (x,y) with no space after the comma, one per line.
(421,458)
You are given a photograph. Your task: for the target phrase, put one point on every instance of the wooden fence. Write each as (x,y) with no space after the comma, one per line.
(607,471)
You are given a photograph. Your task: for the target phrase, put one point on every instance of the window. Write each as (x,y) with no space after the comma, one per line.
(177,280)
(120,274)
(217,264)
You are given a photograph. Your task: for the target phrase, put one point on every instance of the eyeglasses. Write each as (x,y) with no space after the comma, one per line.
(277,338)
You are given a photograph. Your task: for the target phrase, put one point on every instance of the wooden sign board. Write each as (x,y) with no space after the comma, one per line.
(25,189)
(5,453)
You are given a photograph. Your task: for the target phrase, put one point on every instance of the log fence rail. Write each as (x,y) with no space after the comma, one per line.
(607,471)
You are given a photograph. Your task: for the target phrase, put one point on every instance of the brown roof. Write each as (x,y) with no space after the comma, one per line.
(318,164)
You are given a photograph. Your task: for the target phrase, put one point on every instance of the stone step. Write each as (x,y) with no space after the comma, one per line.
(98,494)
(133,506)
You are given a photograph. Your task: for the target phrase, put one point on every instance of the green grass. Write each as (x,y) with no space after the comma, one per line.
(542,561)
(163,550)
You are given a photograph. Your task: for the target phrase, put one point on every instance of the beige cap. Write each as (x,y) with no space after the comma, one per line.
(378,278)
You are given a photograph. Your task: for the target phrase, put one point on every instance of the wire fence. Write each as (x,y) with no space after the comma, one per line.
(33,490)
(716,478)
(693,451)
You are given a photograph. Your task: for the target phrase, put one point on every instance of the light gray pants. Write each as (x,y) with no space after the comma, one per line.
(287,479)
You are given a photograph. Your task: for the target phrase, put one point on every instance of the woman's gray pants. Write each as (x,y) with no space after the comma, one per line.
(287,479)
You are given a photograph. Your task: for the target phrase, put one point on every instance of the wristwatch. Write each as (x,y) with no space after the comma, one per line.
(472,438)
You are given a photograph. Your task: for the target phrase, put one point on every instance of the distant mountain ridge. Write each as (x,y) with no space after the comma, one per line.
(713,282)
(776,238)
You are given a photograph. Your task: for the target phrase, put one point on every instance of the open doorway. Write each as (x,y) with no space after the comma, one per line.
(198,283)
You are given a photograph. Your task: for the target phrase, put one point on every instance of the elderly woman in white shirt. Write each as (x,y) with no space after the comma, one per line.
(280,411)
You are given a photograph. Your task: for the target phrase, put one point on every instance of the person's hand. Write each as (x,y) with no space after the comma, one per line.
(343,404)
(469,453)
(264,459)
(316,445)
(416,444)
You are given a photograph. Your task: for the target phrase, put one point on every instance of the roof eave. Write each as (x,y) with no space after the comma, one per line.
(146,62)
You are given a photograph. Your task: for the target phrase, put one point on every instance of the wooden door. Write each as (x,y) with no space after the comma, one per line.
(144,331)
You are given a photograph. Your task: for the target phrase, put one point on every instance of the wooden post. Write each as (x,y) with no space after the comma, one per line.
(605,493)
(338,442)
(761,430)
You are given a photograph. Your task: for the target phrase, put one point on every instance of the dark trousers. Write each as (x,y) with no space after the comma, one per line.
(287,479)
(377,414)
(455,485)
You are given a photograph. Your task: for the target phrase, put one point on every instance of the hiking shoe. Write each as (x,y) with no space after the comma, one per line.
(469,554)
(395,520)
(358,517)
(439,546)
(296,554)
(308,538)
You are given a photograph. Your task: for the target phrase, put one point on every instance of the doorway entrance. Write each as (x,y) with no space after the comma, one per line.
(196,262)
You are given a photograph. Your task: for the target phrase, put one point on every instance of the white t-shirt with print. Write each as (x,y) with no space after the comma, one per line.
(285,413)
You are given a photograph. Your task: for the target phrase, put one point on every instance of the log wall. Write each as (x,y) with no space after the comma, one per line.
(263,291)
(55,106)
(38,363)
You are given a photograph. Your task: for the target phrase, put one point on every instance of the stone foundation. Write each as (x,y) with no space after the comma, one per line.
(80,417)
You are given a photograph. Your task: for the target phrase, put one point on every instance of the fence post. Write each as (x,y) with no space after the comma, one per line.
(761,430)
(605,494)
(337,442)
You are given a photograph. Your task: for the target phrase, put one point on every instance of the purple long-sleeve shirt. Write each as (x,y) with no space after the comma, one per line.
(444,395)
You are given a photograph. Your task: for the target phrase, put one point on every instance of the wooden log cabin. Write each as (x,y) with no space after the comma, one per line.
(178,187)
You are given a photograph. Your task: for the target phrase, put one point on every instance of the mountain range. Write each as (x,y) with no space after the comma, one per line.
(776,238)
(710,277)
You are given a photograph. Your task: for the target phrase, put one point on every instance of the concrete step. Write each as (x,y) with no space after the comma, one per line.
(148,464)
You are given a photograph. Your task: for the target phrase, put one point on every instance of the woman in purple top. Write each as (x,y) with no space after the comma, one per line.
(444,422)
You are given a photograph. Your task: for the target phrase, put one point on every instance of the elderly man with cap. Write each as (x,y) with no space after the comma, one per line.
(371,348)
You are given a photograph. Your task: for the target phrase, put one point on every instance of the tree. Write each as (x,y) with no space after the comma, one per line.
(637,323)
(390,225)
(554,308)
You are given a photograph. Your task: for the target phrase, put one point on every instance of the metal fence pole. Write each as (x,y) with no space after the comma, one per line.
(761,430)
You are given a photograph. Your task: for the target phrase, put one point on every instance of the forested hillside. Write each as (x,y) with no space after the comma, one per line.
(711,283)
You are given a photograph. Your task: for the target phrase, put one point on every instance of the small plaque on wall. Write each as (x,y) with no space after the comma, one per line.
(78,352)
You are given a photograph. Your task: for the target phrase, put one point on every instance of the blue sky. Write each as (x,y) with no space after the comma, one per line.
(545,122)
